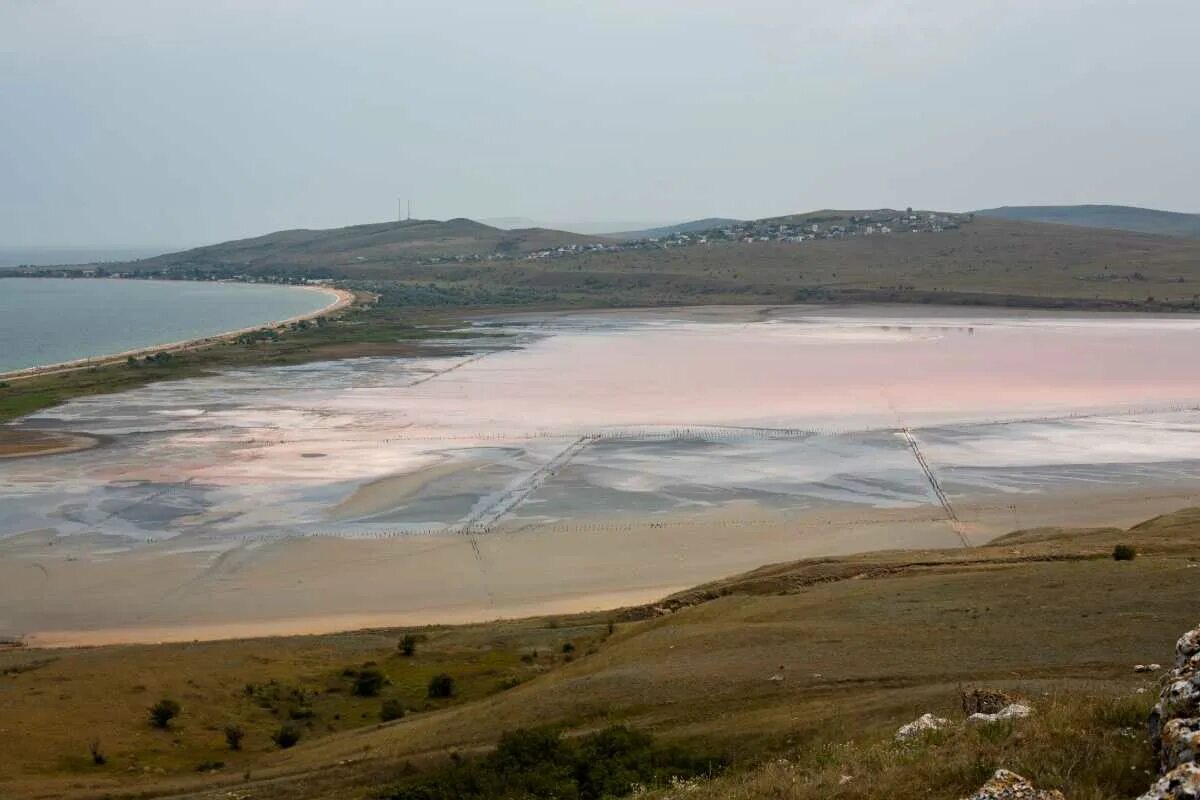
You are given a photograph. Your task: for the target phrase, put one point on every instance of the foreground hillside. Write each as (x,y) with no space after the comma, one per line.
(795,675)
(1122,218)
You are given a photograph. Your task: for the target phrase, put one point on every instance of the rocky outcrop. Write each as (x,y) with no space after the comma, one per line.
(1179,743)
(1006,785)
(1181,783)
(1175,725)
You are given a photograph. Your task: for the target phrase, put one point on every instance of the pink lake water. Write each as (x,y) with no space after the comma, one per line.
(589,415)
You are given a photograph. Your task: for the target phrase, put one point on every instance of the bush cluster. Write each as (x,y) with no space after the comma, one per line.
(441,685)
(539,763)
(1124,552)
(162,712)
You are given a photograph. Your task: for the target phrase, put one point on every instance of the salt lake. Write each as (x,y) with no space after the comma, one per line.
(576,455)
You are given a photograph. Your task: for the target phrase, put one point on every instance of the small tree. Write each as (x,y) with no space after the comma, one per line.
(286,736)
(568,647)
(98,757)
(441,685)
(391,709)
(162,712)
(1124,552)
(369,682)
(233,736)
(408,645)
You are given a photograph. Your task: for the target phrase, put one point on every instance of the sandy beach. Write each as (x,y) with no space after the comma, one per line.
(75,591)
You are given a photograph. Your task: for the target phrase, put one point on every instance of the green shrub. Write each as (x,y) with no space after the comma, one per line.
(369,682)
(162,712)
(539,763)
(1124,552)
(441,685)
(391,709)
(408,645)
(568,647)
(286,736)
(233,736)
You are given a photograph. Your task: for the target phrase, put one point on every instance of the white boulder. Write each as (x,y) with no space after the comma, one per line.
(926,723)
(1012,711)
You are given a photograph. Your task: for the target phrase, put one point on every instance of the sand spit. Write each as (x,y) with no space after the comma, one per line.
(25,443)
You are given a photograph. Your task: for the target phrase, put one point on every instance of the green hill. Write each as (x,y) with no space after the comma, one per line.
(1121,218)
(358,246)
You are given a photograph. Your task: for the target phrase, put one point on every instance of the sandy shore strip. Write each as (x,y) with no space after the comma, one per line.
(23,444)
(339,299)
(58,591)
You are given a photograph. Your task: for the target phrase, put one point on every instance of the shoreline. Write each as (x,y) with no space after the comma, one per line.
(314,586)
(31,444)
(341,299)
(325,624)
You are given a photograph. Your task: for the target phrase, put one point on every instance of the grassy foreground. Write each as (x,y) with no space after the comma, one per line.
(795,675)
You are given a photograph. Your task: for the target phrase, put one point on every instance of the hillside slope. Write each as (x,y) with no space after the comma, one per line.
(815,661)
(982,261)
(1122,218)
(362,245)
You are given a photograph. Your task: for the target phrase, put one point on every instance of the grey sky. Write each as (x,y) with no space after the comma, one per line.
(125,123)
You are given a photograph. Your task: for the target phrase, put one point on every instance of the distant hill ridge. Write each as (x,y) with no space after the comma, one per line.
(1121,218)
(691,226)
(401,241)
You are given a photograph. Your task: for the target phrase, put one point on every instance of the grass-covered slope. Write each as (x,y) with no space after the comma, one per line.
(336,249)
(815,663)
(1122,218)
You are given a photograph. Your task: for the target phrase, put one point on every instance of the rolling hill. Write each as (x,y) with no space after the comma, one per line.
(408,241)
(977,260)
(1121,218)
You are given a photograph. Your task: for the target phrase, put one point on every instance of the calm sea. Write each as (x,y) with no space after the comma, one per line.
(48,320)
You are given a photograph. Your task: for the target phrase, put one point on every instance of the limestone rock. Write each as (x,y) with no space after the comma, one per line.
(1006,785)
(924,724)
(1187,646)
(1181,783)
(1180,698)
(1180,743)
(1013,711)
(1175,725)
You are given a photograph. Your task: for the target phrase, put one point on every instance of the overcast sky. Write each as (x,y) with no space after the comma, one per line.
(172,123)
